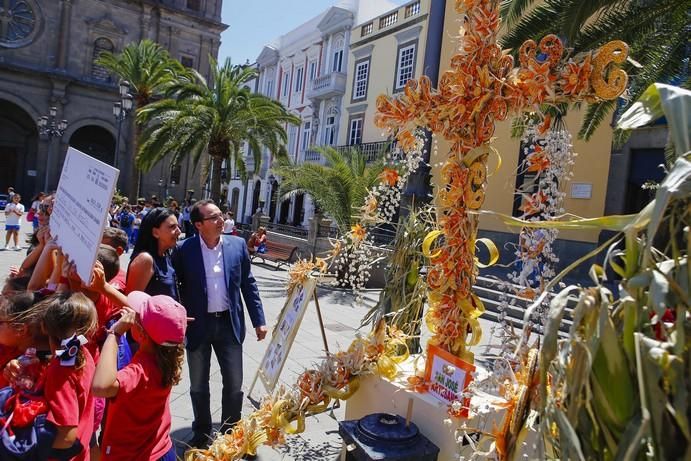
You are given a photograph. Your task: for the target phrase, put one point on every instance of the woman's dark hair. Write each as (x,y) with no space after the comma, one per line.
(145,239)
(169,360)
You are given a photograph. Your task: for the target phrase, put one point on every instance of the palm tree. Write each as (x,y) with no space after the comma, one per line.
(149,70)
(338,188)
(217,118)
(656,31)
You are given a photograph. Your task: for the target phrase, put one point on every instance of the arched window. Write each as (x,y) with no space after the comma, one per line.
(98,72)
(337,59)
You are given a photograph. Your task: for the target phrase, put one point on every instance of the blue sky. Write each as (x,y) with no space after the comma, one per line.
(254,23)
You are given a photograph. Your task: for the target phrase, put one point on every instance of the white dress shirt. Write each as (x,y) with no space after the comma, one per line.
(216,290)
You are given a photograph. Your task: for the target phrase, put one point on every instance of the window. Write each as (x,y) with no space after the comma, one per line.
(306,132)
(187,61)
(194,5)
(101,45)
(330,131)
(388,20)
(367,29)
(313,70)
(270,88)
(286,82)
(292,139)
(355,132)
(406,65)
(360,80)
(338,61)
(175,171)
(298,79)
(412,9)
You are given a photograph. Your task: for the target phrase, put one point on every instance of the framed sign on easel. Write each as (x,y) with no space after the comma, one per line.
(284,333)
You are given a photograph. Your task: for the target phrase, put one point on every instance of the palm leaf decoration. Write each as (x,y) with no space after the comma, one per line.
(216,117)
(656,31)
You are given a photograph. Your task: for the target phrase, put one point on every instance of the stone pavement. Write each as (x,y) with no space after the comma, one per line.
(342,317)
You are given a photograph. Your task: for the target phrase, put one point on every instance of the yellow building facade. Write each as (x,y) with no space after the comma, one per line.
(385,53)
(586,191)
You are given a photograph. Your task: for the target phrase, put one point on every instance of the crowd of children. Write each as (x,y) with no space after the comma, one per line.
(87,370)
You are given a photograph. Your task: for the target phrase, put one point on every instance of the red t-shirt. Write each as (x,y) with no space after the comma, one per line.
(7,354)
(70,403)
(119,281)
(138,418)
(105,308)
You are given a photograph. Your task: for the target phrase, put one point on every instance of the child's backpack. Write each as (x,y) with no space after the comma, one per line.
(25,434)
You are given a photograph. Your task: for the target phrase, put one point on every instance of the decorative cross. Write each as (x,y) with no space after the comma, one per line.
(481,87)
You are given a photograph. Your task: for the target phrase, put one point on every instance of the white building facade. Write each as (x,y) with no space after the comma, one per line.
(306,70)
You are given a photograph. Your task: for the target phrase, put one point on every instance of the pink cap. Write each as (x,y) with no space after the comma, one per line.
(163,318)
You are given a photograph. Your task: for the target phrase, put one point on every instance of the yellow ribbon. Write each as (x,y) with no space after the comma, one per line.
(345,393)
(427,244)
(493,253)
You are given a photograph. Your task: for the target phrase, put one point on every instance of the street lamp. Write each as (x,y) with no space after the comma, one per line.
(120,111)
(48,125)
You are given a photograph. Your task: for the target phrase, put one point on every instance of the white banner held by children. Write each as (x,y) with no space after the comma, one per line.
(80,212)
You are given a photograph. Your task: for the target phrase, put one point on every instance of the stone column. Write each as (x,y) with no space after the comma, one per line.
(64,36)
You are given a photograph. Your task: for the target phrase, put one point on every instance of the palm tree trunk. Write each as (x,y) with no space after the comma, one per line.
(216,179)
(134,170)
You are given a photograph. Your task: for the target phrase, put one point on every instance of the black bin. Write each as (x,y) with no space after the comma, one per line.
(382,436)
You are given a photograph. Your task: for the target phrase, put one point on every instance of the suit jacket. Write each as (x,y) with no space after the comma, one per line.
(189,268)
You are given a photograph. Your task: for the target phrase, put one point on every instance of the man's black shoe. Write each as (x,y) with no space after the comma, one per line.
(200,441)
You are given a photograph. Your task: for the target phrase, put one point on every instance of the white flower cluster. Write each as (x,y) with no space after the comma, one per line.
(354,263)
(405,163)
(536,259)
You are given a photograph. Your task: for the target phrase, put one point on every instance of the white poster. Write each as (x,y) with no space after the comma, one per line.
(284,333)
(80,212)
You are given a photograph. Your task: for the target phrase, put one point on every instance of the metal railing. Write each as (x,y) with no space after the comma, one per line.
(372,150)
(287,230)
(313,156)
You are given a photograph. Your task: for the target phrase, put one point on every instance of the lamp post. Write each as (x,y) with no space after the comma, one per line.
(48,125)
(120,111)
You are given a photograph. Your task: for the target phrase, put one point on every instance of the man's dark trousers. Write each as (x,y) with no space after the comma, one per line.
(229,355)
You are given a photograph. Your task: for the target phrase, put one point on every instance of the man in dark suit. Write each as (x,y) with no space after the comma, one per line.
(213,270)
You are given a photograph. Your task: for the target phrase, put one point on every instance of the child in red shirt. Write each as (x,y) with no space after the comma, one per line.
(138,420)
(69,318)
(20,329)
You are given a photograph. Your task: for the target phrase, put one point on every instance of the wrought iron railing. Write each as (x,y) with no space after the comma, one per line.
(287,230)
(372,150)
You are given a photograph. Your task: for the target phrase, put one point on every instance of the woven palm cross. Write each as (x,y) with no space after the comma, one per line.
(481,87)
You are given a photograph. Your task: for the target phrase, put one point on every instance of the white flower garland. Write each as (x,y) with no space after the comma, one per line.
(355,261)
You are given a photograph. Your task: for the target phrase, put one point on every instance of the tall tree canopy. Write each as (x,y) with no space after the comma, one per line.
(218,117)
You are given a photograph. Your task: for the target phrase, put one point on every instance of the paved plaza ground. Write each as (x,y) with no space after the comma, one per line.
(342,318)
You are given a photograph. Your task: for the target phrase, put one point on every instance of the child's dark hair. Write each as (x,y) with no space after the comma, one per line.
(15,284)
(114,237)
(169,360)
(110,260)
(68,314)
(23,309)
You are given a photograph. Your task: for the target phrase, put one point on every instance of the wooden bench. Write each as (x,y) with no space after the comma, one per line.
(276,252)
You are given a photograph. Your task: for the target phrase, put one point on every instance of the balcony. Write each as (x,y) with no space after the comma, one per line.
(313,156)
(327,86)
(372,150)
